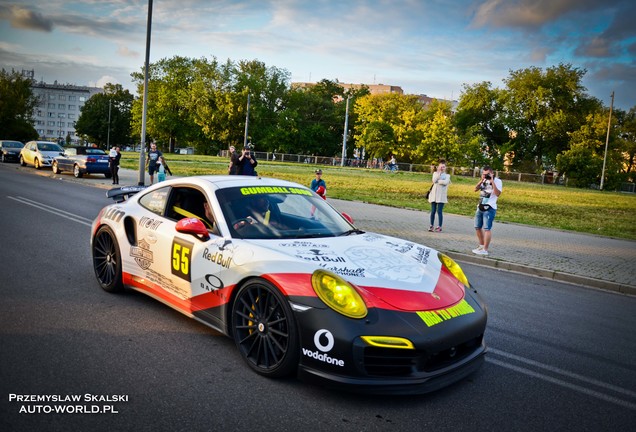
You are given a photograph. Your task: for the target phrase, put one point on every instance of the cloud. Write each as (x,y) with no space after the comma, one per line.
(124,51)
(23,18)
(106,79)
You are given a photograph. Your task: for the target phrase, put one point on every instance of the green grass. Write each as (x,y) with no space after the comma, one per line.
(610,214)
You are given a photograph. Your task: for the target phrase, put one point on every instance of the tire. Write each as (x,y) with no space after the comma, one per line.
(108,175)
(77,172)
(107,260)
(56,169)
(22,162)
(36,163)
(264,330)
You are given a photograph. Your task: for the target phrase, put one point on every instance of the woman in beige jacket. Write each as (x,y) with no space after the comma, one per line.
(439,195)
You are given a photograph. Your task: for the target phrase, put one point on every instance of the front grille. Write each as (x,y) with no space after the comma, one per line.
(390,362)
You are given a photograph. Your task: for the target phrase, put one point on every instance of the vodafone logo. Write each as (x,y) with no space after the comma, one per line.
(318,340)
(324,341)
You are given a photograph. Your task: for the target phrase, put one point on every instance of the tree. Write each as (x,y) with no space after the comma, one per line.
(402,114)
(170,119)
(439,139)
(17,103)
(93,121)
(480,124)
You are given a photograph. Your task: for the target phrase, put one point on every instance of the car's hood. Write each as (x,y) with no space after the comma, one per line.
(407,275)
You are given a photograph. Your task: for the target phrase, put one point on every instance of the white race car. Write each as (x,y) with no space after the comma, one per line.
(297,286)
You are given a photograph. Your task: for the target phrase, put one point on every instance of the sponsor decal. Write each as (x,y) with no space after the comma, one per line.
(422,254)
(303,245)
(212,283)
(167,283)
(318,255)
(345,271)
(435,317)
(149,223)
(400,247)
(324,341)
(258,190)
(371,237)
(217,258)
(385,264)
(181,258)
(142,254)
(114,214)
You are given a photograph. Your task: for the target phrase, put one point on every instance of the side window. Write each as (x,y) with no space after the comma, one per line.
(155,201)
(189,202)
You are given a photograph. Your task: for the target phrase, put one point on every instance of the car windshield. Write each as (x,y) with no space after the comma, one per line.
(12,144)
(49,147)
(274,212)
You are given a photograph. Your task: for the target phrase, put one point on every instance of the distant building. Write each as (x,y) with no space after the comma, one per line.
(59,107)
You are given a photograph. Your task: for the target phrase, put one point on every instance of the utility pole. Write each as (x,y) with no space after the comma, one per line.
(247,120)
(142,156)
(344,135)
(108,136)
(609,123)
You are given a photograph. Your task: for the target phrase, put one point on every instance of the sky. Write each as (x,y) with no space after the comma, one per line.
(431,47)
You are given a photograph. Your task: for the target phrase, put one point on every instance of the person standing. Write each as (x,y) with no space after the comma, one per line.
(151,161)
(439,195)
(247,162)
(113,163)
(317,182)
(235,164)
(489,188)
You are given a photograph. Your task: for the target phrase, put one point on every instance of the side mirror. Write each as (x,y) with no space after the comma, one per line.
(193,226)
(347,217)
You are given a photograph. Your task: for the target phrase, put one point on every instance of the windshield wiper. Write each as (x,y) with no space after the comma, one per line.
(351,231)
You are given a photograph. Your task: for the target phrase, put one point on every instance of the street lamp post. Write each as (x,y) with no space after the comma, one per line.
(108,135)
(142,157)
(609,122)
(344,135)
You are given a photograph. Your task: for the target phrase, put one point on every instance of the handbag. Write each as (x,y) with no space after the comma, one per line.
(429,192)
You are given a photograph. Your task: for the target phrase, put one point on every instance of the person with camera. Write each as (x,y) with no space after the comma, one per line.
(489,188)
(247,162)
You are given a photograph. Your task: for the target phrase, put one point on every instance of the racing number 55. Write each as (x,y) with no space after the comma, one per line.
(181,254)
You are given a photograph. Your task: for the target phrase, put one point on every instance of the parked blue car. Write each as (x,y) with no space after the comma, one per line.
(81,161)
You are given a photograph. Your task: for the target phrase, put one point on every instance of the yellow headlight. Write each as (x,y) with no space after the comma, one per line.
(454,268)
(336,293)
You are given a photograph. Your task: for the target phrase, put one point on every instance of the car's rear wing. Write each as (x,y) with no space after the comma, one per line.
(120,194)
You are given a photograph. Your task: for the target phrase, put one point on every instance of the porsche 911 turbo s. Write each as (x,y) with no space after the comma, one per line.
(294,283)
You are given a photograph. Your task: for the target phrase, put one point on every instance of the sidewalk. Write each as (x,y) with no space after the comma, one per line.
(589,260)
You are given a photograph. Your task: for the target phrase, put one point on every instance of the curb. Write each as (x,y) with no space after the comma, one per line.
(545,274)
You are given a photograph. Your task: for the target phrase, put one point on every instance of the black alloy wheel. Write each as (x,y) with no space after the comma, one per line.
(264,329)
(107,260)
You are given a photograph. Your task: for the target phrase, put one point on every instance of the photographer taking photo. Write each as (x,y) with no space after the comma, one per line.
(489,188)
(247,161)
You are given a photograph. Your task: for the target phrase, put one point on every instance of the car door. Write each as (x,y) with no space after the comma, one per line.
(27,154)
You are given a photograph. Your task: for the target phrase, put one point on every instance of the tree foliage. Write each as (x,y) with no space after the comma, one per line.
(17,103)
(93,122)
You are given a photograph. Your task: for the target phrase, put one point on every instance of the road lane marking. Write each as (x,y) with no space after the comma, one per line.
(563,372)
(579,388)
(56,211)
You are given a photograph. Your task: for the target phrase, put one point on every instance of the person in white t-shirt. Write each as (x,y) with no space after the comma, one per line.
(489,188)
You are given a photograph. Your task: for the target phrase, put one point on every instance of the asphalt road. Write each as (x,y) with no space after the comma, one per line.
(561,357)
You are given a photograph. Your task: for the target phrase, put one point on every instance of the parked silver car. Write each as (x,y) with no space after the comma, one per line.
(39,153)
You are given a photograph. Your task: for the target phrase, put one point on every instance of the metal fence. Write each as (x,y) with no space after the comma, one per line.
(547,178)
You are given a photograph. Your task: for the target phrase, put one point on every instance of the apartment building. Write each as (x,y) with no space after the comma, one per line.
(59,107)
